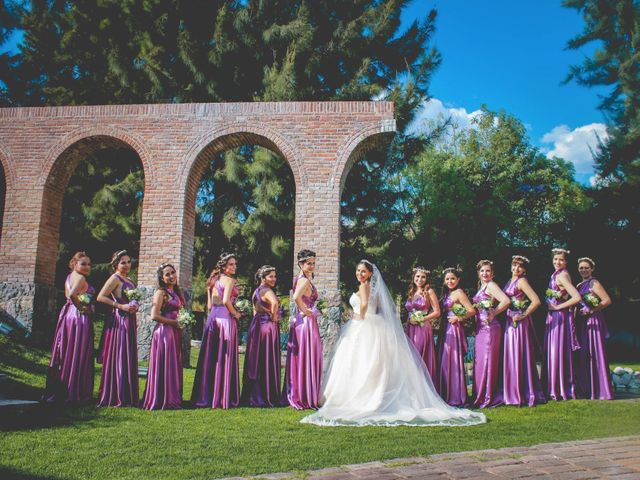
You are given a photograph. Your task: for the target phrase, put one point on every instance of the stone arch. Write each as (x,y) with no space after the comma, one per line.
(106,136)
(356,146)
(203,151)
(235,135)
(57,168)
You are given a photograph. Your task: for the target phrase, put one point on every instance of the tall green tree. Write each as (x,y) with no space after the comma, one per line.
(488,193)
(141,51)
(612,228)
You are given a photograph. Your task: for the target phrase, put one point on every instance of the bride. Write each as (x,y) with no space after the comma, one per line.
(375,376)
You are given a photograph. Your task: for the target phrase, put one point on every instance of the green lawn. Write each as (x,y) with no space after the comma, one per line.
(92,443)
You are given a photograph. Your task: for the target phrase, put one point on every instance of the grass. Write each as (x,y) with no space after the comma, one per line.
(101,443)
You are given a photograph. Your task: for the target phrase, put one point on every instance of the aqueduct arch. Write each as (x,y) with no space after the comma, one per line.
(40,147)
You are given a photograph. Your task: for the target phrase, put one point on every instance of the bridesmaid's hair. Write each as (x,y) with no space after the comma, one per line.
(483,263)
(163,286)
(263,272)
(560,251)
(115,259)
(587,260)
(457,271)
(413,288)
(303,256)
(217,270)
(76,258)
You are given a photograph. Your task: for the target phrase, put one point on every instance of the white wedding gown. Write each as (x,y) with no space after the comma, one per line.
(376,377)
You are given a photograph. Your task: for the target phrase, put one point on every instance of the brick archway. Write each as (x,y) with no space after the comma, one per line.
(356,146)
(57,169)
(204,151)
(319,140)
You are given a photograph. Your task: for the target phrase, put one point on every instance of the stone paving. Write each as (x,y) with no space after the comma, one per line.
(613,458)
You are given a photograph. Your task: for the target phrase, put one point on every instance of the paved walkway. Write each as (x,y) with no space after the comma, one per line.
(614,458)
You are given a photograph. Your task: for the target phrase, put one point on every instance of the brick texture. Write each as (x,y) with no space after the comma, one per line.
(40,147)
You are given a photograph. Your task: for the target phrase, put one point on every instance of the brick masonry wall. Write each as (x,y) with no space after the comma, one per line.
(40,147)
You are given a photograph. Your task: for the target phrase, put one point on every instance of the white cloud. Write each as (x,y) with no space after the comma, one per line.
(433,112)
(575,145)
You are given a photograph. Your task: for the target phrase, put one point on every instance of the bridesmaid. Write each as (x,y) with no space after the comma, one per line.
(422,297)
(303,371)
(261,378)
(217,382)
(593,368)
(521,380)
(164,379)
(119,380)
(70,375)
(452,342)
(558,370)
(487,390)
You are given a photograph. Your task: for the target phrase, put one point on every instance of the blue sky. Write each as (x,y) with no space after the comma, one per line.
(511,55)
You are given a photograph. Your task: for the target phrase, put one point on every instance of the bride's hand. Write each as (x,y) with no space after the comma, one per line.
(453,320)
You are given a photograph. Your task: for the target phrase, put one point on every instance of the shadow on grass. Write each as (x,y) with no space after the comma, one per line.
(45,416)
(11,474)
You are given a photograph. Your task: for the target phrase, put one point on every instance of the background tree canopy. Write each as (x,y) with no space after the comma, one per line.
(446,197)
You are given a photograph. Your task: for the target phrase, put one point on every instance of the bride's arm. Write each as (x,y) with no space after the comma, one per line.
(363,292)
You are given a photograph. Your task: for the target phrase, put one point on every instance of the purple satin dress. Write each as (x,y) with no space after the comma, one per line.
(217,381)
(303,371)
(521,380)
(487,387)
(261,376)
(70,375)
(422,336)
(164,379)
(452,347)
(593,368)
(119,380)
(558,377)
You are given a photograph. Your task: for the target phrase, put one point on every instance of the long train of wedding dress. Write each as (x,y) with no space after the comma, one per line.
(376,377)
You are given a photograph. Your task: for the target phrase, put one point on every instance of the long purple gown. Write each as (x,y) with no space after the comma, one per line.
(164,378)
(217,382)
(487,389)
(521,380)
(261,377)
(452,347)
(303,371)
(119,380)
(70,376)
(558,377)
(422,336)
(593,367)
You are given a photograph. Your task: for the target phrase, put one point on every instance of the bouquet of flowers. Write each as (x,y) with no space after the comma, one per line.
(418,316)
(519,305)
(458,310)
(243,306)
(553,294)
(485,304)
(323,307)
(134,295)
(185,318)
(85,300)
(591,299)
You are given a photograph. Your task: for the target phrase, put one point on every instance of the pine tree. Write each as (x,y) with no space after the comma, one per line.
(613,226)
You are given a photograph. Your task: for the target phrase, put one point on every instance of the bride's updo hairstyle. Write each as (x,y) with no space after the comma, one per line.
(368,265)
